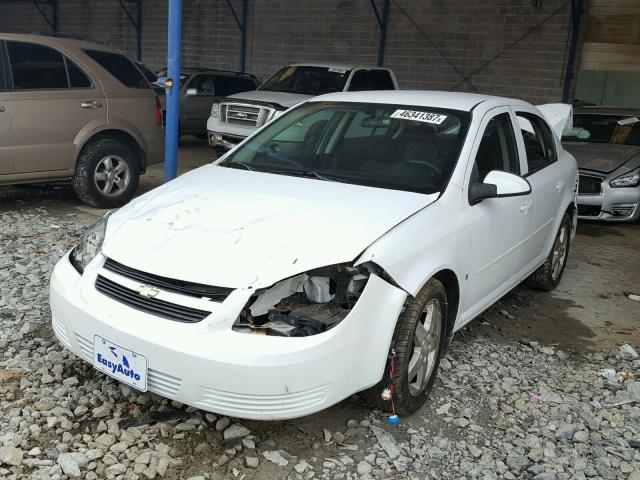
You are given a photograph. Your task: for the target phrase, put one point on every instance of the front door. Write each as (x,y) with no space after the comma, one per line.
(500,227)
(53,99)
(198,99)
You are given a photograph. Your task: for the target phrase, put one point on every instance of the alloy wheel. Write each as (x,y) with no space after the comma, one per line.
(426,343)
(112,176)
(559,252)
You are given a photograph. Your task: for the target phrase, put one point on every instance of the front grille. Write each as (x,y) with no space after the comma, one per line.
(588,211)
(245,115)
(153,306)
(217,294)
(590,185)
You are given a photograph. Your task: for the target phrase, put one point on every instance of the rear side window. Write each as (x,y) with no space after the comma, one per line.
(77,78)
(227,85)
(380,80)
(36,67)
(538,141)
(371,80)
(120,67)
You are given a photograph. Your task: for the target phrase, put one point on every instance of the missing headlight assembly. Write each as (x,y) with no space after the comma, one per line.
(306,304)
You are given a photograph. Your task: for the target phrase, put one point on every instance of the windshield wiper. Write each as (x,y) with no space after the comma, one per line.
(309,174)
(240,165)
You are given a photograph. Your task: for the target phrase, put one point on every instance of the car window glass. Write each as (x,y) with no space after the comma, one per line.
(36,67)
(307,80)
(203,84)
(380,80)
(227,85)
(497,149)
(599,128)
(538,141)
(359,81)
(120,67)
(308,130)
(360,126)
(77,78)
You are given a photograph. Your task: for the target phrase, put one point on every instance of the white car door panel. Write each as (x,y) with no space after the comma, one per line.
(500,227)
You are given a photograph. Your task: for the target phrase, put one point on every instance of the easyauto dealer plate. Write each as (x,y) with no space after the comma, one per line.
(118,362)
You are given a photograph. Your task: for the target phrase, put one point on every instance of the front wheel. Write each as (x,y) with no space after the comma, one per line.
(419,343)
(548,275)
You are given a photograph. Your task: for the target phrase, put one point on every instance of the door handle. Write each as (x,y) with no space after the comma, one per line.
(560,186)
(91,104)
(526,206)
(1,108)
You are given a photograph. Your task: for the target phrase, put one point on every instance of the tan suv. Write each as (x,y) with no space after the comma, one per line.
(71,109)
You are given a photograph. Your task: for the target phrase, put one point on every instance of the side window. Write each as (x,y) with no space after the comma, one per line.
(36,67)
(498,149)
(538,141)
(120,67)
(380,80)
(203,85)
(77,78)
(359,81)
(228,85)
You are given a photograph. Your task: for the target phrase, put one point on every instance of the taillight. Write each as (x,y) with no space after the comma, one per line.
(158,112)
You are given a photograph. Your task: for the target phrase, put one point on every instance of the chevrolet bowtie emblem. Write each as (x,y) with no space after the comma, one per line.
(146,291)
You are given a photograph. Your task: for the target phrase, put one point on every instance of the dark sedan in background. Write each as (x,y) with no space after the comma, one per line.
(606,144)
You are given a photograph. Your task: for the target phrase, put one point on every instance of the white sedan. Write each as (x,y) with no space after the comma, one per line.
(335,251)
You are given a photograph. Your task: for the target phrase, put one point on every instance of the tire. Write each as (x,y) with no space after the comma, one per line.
(411,393)
(107,174)
(548,275)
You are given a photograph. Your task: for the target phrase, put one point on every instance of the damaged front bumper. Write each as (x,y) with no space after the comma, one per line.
(210,366)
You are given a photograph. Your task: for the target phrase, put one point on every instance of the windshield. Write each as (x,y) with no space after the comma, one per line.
(307,80)
(596,128)
(397,147)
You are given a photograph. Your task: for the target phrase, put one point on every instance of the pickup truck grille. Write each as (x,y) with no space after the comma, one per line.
(590,185)
(244,114)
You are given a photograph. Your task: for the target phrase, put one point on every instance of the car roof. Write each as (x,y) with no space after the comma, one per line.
(622,111)
(422,98)
(62,41)
(345,66)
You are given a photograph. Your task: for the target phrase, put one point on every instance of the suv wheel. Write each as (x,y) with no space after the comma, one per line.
(548,275)
(419,343)
(107,174)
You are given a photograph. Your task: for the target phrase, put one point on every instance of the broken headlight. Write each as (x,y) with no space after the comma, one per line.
(305,304)
(89,245)
(630,179)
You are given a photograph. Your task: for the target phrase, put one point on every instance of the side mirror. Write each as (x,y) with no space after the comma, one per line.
(498,184)
(191,92)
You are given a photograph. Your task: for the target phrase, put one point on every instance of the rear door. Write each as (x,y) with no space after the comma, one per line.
(537,142)
(6,133)
(53,99)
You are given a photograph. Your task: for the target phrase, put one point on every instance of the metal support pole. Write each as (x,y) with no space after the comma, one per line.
(139,30)
(383,32)
(243,32)
(174,29)
(576,14)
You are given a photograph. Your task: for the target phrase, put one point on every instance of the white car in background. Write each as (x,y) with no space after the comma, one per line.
(237,116)
(302,268)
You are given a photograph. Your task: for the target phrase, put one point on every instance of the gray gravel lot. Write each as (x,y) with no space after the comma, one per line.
(523,392)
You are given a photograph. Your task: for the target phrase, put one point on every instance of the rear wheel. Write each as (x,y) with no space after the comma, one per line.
(107,174)
(548,275)
(419,343)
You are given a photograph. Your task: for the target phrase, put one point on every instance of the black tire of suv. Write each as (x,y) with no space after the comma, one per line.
(83,179)
(542,278)
(403,344)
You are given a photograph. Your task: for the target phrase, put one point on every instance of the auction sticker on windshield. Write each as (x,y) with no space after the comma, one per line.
(425,117)
(118,362)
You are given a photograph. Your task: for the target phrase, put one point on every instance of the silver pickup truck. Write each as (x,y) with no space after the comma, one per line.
(237,116)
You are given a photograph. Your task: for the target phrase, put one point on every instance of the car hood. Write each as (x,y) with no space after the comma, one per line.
(601,157)
(234,228)
(264,96)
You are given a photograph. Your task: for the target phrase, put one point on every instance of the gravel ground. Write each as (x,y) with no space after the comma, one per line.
(504,407)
